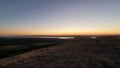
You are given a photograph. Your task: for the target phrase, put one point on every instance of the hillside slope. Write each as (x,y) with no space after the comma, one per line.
(84,54)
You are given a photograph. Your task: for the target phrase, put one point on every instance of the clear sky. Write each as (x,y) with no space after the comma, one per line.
(59,17)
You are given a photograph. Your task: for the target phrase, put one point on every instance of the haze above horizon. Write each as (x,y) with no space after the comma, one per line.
(59,17)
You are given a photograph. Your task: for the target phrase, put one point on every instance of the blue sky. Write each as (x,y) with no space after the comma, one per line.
(59,17)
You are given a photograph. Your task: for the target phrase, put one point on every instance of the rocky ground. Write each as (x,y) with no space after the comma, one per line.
(83,54)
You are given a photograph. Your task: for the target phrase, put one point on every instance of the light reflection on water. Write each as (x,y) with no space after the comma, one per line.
(39,37)
(59,37)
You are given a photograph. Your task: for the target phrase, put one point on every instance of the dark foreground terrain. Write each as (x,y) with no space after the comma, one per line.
(100,52)
(14,46)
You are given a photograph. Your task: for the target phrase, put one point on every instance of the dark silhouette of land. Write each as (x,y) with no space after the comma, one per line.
(14,46)
(79,52)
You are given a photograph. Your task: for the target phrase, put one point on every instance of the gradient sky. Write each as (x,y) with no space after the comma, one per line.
(59,17)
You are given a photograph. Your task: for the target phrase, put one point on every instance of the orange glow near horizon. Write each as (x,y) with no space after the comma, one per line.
(59,33)
(56,17)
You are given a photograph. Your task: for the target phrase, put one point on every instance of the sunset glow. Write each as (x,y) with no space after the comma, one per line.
(59,17)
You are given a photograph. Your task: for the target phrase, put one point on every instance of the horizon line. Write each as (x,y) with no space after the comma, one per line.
(62,35)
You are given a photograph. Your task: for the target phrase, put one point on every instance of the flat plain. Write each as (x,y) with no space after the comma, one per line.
(103,52)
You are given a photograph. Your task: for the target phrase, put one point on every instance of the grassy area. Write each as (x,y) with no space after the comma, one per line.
(81,52)
(11,47)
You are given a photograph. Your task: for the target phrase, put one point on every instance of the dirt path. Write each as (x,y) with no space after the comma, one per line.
(86,54)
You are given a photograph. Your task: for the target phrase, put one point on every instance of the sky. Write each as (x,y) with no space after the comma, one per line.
(59,17)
